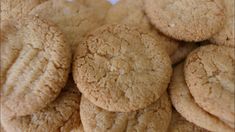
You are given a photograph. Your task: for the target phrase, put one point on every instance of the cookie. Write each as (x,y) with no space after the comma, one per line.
(74,17)
(184,103)
(35,62)
(226,35)
(131,12)
(120,68)
(16,9)
(155,117)
(187,20)
(179,124)
(61,115)
(182,52)
(209,73)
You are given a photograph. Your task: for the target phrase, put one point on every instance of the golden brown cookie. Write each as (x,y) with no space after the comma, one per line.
(182,52)
(120,68)
(226,35)
(35,62)
(16,9)
(179,124)
(209,73)
(185,104)
(155,117)
(188,20)
(61,115)
(131,12)
(74,17)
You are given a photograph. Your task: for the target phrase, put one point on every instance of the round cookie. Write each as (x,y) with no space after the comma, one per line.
(184,103)
(35,63)
(188,20)
(182,52)
(179,124)
(120,68)
(74,17)
(209,73)
(226,35)
(155,117)
(16,9)
(131,12)
(61,115)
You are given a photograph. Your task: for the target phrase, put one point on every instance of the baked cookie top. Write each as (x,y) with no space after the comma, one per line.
(180,124)
(131,12)
(74,17)
(35,62)
(188,20)
(209,73)
(155,117)
(121,68)
(185,104)
(16,9)
(226,35)
(60,115)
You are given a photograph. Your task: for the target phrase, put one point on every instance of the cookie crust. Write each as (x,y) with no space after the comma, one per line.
(35,62)
(209,73)
(187,20)
(61,115)
(75,18)
(120,68)
(185,104)
(155,117)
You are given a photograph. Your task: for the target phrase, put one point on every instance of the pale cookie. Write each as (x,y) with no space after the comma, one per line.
(188,108)
(16,9)
(131,12)
(209,73)
(120,68)
(182,52)
(74,17)
(155,117)
(188,20)
(179,124)
(35,63)
(61,115)
(226,35)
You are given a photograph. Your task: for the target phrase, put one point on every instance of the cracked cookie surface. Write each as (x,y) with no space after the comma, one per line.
(155,117)
(226,35)
(131,12)
(61,115)
(120,68)
(188,20)
(209,73)
(35,62)
(185,104)
(16,9)
(180,124)
(74,17)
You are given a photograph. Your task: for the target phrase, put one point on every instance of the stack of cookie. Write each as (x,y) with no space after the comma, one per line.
(87,65)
